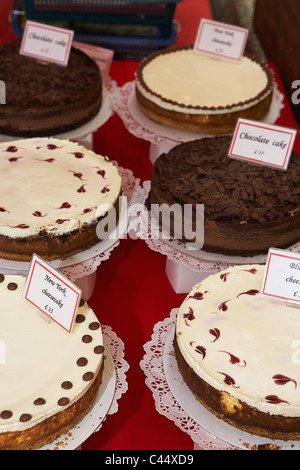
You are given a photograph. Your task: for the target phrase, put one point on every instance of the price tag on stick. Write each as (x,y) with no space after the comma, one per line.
(282,276)
(221,40)
(51,293)
(47,43)
(262,143)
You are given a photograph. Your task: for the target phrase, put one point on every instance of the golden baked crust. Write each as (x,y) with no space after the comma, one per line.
(50,247)
(54,426)
(216,124)
(235,412)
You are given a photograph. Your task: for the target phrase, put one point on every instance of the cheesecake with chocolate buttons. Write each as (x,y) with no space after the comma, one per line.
(49,379)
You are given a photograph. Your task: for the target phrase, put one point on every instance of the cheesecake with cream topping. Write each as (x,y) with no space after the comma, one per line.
(53,193)
(237,352)
(186,90)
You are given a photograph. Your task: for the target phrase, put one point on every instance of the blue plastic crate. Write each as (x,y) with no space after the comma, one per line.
(159,12)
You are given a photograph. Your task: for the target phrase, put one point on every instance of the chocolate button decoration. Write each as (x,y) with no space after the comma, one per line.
(25,417)
(2,277)
(6,414)
(99,349)
(82,361)
(88,376)
(87,339)
(63,401)
(66,385)
(12,286)
(79,318)
(39,401)
(94,325)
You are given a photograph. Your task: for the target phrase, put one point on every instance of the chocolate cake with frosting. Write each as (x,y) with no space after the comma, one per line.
(44,98)
(247,208)
(186,90)
(49,379)
(237,352)
(53,195)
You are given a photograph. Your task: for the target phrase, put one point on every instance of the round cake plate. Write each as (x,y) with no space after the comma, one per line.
(79,133)
(95,417)
(101,247)
(215,426)
(215,257)
(178,136)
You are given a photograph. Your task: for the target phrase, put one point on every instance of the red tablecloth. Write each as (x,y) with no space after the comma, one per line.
(132,292)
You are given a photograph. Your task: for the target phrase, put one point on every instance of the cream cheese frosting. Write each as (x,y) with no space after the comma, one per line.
(53,186)
(184,80)
(241,342)
(43,369)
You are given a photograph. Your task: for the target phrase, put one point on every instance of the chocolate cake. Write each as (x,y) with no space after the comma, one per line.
(236,351)
(53,195)
(49,379)
(186,90)
(247,208)
(44,98)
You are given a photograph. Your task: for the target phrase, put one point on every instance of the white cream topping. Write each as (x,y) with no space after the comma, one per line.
(193,79)
(53,185)
(37,357)
(261,332)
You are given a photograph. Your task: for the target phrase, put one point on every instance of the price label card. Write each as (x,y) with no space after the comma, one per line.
(282,276)
(46,42)
(262,143)
(51,293)
(221,40)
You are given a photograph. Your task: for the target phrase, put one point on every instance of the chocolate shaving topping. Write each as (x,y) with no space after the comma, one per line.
(235,191)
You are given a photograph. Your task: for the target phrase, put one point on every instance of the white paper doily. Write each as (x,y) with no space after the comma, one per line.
(79,133)
(125,105)
(87,262)
(174,400)
(114,385)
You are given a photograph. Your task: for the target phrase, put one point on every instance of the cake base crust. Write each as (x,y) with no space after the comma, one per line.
(52,247)
(235,412)
(50,429)
(215,124)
